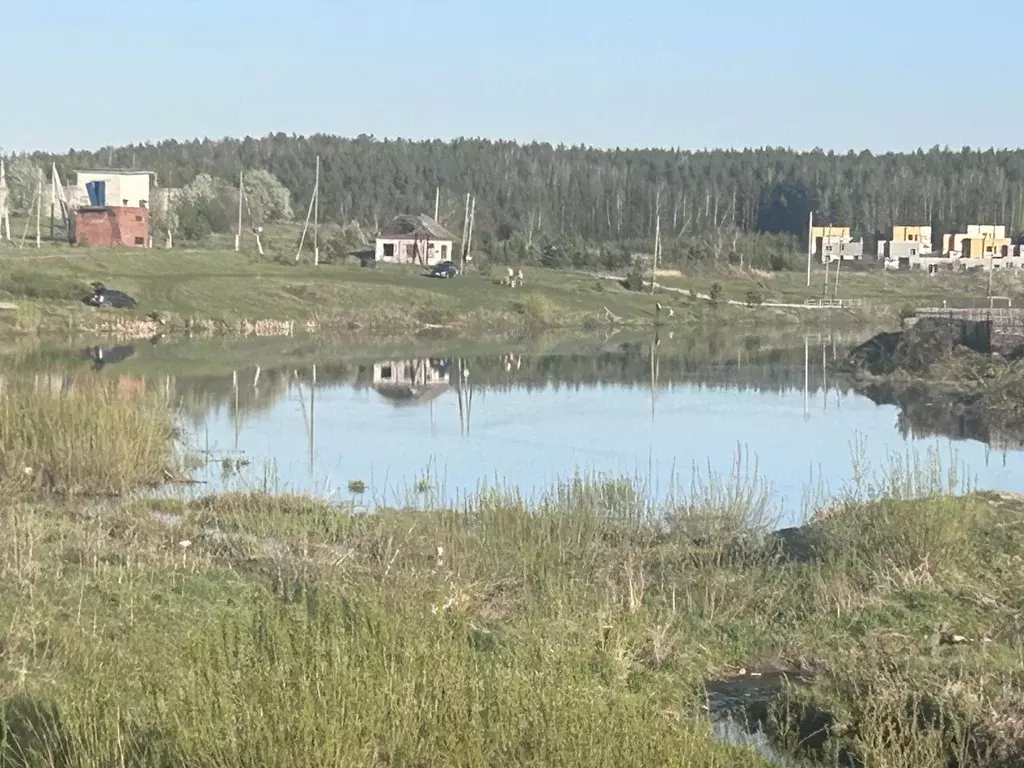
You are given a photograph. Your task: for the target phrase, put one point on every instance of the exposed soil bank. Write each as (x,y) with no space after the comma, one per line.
(942,386)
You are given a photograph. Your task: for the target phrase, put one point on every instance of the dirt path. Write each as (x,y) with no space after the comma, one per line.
(814,305)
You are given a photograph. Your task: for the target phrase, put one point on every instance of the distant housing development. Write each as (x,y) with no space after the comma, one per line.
(911,246)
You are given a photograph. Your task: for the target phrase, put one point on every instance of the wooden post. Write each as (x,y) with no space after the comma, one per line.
(241,192)
(316,215)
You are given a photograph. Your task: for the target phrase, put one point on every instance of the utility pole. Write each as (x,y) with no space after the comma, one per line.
(39,208)
(469,242)
(990,271)
(314,205)
(316,216)
(53,196)
(241,192)
(835,293)
(657,248)
(437,203)
(810,244)
(465,233)
(5,219)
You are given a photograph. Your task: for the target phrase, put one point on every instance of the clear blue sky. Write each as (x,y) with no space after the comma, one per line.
(899,74)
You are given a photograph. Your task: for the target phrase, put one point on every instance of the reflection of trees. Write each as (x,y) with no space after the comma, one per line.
(745,366)
(244,394)
(930,414)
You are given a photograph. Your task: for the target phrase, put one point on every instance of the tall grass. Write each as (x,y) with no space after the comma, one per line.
(95,442)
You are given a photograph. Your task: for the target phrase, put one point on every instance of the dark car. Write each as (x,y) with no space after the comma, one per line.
(445,269)
(102,296)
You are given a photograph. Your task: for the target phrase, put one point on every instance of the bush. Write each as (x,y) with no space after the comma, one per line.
(197,220)
(754,299)
(634,280)
(555,257)
(537,310)
(716,292)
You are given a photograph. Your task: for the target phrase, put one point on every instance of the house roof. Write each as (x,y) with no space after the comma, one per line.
(117,171)
(414,227)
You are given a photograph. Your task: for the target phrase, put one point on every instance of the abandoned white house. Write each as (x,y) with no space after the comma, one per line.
(409,239)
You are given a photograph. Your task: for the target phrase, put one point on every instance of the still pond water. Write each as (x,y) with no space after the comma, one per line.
(435,424)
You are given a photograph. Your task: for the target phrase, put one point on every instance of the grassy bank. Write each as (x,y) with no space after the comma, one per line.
(220,291)
(577,630)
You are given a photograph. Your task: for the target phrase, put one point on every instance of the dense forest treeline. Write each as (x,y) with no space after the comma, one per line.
(541,192)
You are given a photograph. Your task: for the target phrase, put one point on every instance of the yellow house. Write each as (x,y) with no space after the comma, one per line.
(984,247)
(979,241)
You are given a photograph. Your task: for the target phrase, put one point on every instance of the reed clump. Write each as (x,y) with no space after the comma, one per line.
(86,438)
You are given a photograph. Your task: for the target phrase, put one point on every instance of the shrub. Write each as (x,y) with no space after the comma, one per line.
(754,299)
(537,310)
(716,292)
(634,280)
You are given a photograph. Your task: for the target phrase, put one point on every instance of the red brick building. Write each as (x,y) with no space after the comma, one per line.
(112,227)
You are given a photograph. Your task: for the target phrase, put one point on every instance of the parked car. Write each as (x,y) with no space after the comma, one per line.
(102,296)
(445,269)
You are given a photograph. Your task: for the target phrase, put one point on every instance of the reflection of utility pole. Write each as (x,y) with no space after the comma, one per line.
(312,420)
(464,390)
(655,371)
(824,376)
(234,386)
(308,421)
(807,360)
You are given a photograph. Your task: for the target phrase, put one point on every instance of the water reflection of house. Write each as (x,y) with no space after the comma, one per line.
(406,382)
